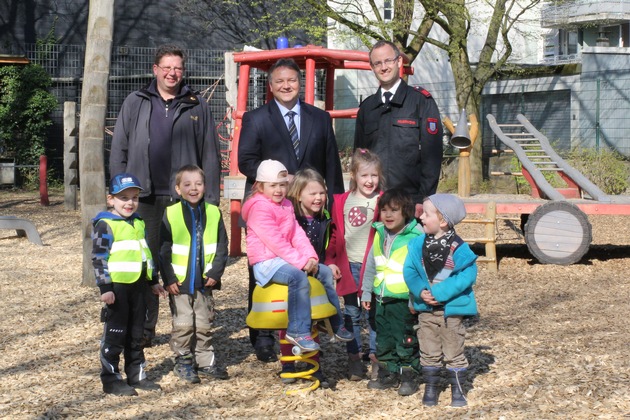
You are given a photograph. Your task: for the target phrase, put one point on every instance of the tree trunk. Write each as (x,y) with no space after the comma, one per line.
(92,123)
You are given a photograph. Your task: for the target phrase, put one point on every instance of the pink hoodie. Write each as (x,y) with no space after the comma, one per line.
(273,231)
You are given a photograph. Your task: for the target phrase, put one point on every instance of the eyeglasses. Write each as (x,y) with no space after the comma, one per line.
(167,70)
(388,63)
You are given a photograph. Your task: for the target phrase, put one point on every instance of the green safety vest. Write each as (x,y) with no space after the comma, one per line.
(182,239)
(128,252)
(389,280)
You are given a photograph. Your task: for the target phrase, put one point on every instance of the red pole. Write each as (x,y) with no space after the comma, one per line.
(309,89)
(43,185)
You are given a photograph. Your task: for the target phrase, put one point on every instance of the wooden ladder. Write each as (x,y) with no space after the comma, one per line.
(537,156)
(490,238)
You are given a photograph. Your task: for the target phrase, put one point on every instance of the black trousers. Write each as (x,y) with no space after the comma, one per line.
(151,209)
(122,333)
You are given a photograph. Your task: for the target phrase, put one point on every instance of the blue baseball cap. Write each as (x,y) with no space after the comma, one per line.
(122,182)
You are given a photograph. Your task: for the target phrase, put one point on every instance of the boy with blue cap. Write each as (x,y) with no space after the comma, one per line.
(124,268)
(440,271)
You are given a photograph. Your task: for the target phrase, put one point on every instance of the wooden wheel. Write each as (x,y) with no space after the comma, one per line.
(558,232)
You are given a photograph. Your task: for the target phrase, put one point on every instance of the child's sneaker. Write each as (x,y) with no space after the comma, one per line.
(213,372)
(344,335)
(304,342)
(185,370)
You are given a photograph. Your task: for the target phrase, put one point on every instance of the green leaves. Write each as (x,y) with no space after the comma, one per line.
(25,107)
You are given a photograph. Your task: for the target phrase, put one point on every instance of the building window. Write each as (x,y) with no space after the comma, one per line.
(568,42)
(387,10)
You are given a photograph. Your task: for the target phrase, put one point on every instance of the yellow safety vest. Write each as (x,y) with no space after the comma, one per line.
(182,239)
(128,252)
(389,280)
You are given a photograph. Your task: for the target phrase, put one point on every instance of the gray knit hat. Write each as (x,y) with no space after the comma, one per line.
(450,207)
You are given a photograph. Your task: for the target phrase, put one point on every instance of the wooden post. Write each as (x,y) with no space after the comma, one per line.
(463,174)
(92,123)
(463,167)
(70,161)
(491,235)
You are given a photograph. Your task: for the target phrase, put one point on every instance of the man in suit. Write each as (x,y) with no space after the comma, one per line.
(295,133)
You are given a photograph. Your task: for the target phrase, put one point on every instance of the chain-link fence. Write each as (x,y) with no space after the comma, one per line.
(588,110)
(130,69)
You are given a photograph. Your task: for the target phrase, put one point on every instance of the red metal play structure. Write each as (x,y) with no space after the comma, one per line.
(310,59)
(555,225)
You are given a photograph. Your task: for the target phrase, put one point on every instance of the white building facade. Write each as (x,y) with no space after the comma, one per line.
(571,107)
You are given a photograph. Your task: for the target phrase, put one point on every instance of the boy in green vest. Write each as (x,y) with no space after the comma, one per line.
(123,266)
(396,342)
(193,256)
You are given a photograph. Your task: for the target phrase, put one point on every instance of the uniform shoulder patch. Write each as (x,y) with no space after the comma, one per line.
(432,125)
(423,91)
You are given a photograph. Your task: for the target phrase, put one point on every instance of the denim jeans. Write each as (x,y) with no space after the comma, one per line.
(354,314)
(299,302)
(325,277)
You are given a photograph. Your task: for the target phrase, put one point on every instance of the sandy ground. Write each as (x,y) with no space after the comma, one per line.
(551,341)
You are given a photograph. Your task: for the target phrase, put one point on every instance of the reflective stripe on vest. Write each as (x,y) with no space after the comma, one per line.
(128,251)
(389,280)
(182,239)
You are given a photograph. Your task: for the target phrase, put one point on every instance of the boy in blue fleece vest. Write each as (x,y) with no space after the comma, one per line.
(440,271)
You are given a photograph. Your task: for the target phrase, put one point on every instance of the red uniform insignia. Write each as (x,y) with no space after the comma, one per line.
(411,123)
(432,125)
(423,91)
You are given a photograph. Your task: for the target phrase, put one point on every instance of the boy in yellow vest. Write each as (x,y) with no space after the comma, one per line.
(123,267)
(396,343)
(193,256)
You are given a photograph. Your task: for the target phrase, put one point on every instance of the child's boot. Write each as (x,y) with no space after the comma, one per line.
(145,384)
(385,380)
(408,381)
(374,367)
(119,388)
(185,369)
(431,376)
(355,367)
(288,368)
(457,377)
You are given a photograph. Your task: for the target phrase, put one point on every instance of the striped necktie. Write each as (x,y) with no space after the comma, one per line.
(295,139)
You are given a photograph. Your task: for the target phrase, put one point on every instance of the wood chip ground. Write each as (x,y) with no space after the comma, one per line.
(551,341)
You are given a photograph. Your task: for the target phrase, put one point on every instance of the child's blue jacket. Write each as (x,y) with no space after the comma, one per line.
(455,292)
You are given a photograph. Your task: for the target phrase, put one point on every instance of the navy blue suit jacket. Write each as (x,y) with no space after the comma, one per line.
(264,135)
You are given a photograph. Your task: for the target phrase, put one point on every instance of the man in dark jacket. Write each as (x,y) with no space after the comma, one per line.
(159,129)
(295,133)
(401,124)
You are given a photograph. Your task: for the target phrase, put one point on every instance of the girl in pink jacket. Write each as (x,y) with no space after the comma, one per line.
(280,252)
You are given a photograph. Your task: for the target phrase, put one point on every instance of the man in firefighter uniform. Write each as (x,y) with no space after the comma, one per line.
(401,124)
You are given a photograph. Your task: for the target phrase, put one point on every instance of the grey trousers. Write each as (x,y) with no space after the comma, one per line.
(441,340)
(192,319)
